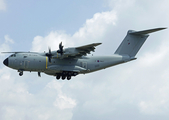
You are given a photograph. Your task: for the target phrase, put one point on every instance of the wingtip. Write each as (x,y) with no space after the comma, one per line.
(162,28)
(98,43)
(157,29)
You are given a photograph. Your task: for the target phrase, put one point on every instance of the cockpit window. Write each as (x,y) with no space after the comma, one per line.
(13,55)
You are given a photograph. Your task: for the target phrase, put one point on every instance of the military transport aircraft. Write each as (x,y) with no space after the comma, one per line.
(68,62)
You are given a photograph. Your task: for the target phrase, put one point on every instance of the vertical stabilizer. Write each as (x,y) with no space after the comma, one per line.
(133,41)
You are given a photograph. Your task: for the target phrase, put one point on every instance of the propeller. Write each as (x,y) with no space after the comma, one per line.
(60,49)
(49,55)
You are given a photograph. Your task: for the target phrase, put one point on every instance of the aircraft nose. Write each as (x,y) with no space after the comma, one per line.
(6,62)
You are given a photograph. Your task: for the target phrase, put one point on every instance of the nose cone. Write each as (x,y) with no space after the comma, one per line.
(6,62)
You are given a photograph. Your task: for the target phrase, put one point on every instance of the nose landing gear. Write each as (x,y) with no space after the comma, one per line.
(21,73)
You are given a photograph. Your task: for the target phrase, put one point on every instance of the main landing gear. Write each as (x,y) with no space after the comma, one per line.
(66,74)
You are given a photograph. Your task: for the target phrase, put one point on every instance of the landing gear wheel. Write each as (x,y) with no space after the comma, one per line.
(70,73)
(68,77)
(21,73)
(58,77)
(63,77)
(64,73)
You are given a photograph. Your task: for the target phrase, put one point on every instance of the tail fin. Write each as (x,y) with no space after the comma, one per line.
(133,42)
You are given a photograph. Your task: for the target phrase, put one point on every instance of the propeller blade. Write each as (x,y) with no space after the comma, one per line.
(49,59)
(49,55)
(50,50)
(60,49)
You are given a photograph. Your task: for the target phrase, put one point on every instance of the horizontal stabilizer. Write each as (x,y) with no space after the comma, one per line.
(146,31)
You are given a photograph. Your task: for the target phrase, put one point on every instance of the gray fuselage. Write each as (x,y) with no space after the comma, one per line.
(38,62)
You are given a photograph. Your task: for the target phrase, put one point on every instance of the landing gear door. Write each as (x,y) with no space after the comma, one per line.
(26,64)
(84,65)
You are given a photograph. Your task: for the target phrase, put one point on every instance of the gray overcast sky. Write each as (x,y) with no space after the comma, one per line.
(135,90)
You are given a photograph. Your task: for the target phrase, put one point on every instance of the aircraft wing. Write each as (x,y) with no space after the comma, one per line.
(86,49)
(78,51)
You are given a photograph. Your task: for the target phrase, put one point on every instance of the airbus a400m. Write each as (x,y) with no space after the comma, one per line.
(68,62)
